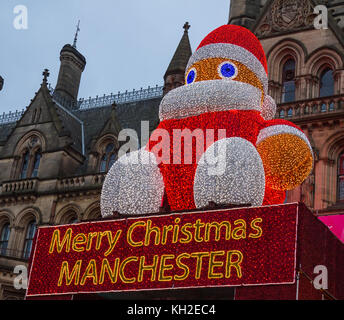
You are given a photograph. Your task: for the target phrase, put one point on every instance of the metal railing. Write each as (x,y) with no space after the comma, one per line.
(106,100)
(121,98)
(11,116)
(90,103)
(310,107)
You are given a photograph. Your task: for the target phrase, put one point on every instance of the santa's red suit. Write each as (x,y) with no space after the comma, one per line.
(217,140)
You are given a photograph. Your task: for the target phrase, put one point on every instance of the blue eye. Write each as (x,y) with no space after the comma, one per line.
(191,76)
(228,70)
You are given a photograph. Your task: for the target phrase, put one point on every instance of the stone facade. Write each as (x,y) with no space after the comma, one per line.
(53,159)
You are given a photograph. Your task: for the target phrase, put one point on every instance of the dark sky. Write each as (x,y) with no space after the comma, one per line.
(128,44)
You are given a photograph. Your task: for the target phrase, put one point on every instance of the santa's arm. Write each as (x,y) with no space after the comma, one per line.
(286,154)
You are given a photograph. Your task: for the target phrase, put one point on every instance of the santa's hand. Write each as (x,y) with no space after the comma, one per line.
(133,185)
(286,154)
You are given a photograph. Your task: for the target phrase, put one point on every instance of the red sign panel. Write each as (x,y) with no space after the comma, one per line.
(232,247)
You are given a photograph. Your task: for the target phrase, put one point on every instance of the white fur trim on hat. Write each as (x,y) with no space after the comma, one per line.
(282,129)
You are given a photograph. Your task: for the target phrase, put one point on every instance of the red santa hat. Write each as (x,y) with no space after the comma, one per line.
(240,44)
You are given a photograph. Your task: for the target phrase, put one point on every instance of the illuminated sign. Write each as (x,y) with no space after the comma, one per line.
(231,247)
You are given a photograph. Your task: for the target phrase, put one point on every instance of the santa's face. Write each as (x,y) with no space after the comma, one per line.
(214,84)
(222,69)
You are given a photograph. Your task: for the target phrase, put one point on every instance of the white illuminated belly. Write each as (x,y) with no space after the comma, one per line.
(230,171)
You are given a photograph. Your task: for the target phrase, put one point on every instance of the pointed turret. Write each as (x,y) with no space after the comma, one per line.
(174,76)
(72,65)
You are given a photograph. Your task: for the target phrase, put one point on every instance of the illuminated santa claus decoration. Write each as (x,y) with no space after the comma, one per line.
(217,141)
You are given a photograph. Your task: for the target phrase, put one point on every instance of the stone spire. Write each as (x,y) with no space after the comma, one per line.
(72,65)
(174,76)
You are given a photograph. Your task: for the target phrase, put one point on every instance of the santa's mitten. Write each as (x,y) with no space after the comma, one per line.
(230,172)
(134,185)
(286,154)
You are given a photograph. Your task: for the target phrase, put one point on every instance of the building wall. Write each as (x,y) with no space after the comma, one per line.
(57,196)
(321,118)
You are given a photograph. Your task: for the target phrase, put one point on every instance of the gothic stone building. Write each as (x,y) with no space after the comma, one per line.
(55,154)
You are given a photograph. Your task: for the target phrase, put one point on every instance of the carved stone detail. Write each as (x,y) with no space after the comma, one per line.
(286,15)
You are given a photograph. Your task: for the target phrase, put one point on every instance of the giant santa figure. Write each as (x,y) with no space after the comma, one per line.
(217,140)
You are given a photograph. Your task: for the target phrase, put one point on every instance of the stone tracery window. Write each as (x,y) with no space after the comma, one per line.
(288,81)
(25,165)
(71,217)
(326,83)
(341,177)
(30,233)
(67,216)
(108,157)
(4,237)
(30,158)
(36,163)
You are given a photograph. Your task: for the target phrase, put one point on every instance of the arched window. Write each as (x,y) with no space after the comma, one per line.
(30,233)
(71,218)
(288,81)
(25,165)
(108,159)
(37,160)
(4,237)
(29,152)
(326,83)
(341,177)
(68,216)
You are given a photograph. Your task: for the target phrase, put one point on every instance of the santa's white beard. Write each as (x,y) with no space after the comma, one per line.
(209,96)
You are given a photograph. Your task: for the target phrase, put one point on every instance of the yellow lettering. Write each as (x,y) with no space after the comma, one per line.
(111,273)
(90,272)
(256,228)
(130,232)
(218,226)
(234,264)
(199,256)
(152,268)
(100,236)
(198,225)
(64,272)
(215,264)
(112,241)
(164,267)
(183,266)
(89,240)
(79,239)
(149,230)
(186,233)
(176,231)
(55,241)
(239,232)
(165,231)
(122,267)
